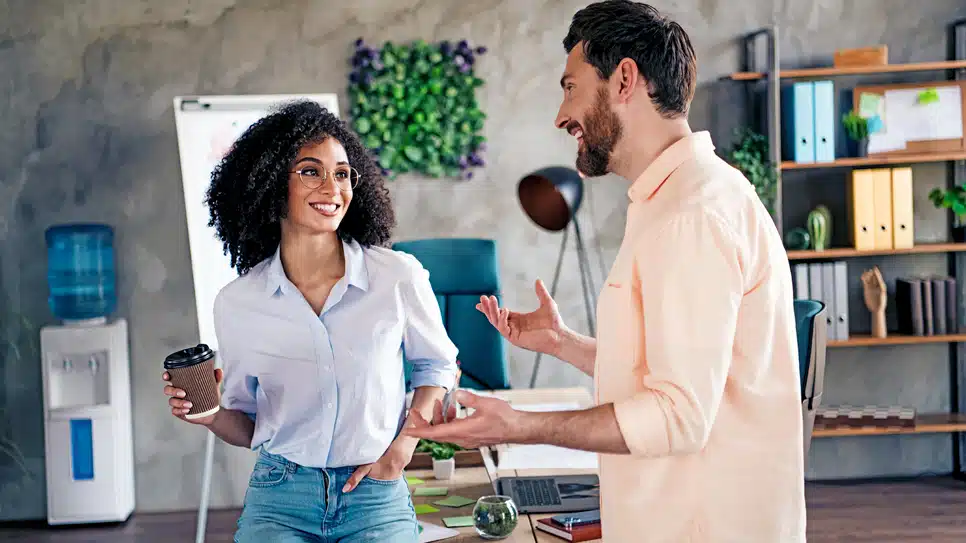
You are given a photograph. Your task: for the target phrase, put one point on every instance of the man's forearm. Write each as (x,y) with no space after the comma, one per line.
(593,429)
(233,427)
(578,350)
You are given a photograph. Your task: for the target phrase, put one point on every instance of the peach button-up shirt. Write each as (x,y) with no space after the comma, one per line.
(696,349)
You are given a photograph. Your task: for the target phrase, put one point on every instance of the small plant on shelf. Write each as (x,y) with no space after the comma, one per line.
(953,199)
(415,107)
(750,156)
(857,128)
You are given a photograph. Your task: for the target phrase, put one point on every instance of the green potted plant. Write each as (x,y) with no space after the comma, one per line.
(953,199)
(750,156)
(443,454)
(857,128)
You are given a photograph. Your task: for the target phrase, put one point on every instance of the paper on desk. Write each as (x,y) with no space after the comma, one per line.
(545,456)
(432,532)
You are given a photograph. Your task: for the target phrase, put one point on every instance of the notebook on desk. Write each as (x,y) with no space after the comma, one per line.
(545,493)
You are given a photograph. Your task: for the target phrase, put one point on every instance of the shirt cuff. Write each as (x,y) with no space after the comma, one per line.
(644,424)
(429,378)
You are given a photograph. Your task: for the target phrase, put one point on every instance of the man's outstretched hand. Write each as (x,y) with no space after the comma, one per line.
(493,422)
(539,330)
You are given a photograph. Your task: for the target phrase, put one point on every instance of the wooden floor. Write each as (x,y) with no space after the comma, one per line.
(921,510)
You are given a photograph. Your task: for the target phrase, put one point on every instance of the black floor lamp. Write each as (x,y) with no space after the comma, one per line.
(551,197)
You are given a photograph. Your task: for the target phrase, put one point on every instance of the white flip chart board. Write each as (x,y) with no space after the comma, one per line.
(206,127)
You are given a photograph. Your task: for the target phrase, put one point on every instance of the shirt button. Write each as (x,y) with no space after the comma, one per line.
(329,405)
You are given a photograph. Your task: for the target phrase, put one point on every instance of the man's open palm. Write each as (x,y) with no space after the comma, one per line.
(539,330)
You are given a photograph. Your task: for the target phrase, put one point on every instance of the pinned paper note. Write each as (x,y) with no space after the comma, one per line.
(454,501)
(458,522)
(928,96)
(429,491)
(423,508)
(869,105)
(874,124)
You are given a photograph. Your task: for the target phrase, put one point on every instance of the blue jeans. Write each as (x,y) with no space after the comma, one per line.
(287,503)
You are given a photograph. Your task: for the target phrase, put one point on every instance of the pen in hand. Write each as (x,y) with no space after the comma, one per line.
(448,397)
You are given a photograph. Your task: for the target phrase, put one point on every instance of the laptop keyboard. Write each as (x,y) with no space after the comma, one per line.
(532,492)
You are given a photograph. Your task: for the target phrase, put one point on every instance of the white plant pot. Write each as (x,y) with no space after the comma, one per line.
(444,469)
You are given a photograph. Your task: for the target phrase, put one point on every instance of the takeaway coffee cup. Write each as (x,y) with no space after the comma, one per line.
(193,370)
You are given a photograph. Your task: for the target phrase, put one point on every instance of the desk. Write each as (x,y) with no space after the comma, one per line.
(474,482)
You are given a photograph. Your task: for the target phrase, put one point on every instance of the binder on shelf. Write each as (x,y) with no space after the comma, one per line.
(800,278)
(815,282)
(841,283)
(882,207)
(825,121)
(909,306)
(799,124)
(927,307)
(860,203)
(952,306)
(902,218)
(939,305)
(829,299)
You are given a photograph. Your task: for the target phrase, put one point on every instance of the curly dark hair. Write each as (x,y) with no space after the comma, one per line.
(248,196)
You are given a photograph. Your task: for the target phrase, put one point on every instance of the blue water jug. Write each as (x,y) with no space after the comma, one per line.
(80,271)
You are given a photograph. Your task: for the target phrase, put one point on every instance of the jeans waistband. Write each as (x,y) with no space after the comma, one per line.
(285,463)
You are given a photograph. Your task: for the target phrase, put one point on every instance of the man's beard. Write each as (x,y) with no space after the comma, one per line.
(602,131)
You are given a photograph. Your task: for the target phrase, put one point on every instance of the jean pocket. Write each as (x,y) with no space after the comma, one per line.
(384,482)
(267,474)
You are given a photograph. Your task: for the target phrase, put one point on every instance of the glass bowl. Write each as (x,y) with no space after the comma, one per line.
(495,517)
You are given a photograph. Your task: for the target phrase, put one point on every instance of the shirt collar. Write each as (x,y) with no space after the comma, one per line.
(356,272)
(669,160)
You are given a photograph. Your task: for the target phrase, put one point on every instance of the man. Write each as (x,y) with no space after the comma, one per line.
(698,417)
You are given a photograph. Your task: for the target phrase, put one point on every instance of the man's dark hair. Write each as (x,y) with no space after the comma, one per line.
(613,30)
(248,196)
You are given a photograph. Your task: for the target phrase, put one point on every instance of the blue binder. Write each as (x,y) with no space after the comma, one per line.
(824,104)
(799,123)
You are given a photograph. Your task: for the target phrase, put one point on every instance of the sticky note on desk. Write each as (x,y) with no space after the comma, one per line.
(429,491)
(414,481)
(424,508)
(455,501)
(458,522)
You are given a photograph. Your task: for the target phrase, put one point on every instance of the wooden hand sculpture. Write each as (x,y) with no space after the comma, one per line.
(874,289)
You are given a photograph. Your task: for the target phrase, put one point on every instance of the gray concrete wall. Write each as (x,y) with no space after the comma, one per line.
(87,133)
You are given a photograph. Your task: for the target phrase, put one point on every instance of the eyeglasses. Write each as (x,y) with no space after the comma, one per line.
(345,177)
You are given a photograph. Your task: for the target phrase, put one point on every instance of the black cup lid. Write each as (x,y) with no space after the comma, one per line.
(188,357)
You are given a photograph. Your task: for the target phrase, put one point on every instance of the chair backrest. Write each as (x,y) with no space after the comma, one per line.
(460,271)
(812,333)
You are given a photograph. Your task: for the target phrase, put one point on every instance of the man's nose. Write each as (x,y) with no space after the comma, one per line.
(562,119)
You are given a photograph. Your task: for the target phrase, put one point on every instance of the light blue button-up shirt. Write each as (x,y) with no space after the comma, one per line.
(328,389)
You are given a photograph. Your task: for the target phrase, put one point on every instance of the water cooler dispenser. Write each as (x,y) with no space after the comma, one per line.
(88,437)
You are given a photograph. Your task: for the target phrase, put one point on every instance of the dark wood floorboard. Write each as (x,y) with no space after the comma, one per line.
(914,511)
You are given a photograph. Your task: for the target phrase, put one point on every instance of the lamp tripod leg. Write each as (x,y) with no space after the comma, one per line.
(586,280)
(553,292)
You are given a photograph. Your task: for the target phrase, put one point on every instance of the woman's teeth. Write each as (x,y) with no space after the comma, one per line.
(325,208)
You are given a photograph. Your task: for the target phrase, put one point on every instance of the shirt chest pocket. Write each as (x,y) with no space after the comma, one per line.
(277,341)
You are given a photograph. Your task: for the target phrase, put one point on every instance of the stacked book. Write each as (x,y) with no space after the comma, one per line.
(926,306)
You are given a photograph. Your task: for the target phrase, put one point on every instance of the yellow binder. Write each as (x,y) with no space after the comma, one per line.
(882,202)
(861,209)
(902,220)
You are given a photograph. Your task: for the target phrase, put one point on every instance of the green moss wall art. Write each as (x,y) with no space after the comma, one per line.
(415,107)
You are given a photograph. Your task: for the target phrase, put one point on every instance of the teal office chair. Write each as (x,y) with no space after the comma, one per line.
(812,331)
(460,271)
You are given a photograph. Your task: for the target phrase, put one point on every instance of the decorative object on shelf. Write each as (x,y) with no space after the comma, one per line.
(852,416)
(857,127)
(495,517)
(750,156)
(797,239)
(953,199)
(874,293)
(819,223)
(877,55)
(415,107)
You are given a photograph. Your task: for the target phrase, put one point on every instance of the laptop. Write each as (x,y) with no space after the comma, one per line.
(545,493)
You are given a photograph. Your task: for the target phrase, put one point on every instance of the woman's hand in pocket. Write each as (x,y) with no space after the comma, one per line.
(388,468)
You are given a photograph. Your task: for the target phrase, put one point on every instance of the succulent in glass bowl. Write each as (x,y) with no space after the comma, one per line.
(495,517)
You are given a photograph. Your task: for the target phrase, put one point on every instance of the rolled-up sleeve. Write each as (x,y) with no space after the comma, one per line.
(425,342)
(691,285)
(239,388)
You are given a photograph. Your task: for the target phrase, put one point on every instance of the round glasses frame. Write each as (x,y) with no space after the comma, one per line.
(317,179)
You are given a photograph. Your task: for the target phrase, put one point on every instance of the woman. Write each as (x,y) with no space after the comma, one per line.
(311,334)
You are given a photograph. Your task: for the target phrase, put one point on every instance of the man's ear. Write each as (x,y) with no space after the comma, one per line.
(628,79)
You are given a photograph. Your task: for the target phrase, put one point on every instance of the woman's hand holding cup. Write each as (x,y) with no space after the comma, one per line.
(193,384)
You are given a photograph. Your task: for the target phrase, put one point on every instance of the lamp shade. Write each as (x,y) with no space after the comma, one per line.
(551,196)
